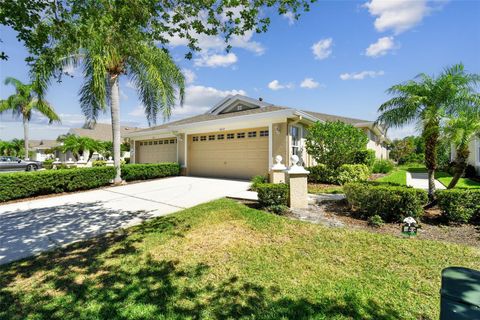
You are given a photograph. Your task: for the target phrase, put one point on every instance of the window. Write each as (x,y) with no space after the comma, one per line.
(160,142)
(212,137)
(195,138)
(252,134)
(264,133)
(165,142)
(240,135)
(150,143)
(295,133)
(141,143)
(220,137)
(203,138)
(230,136)
(172,141)
(155,142)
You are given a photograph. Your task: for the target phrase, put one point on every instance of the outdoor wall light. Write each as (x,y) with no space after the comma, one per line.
(277,130)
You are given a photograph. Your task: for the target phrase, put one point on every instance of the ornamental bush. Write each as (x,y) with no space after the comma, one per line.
(391,202)
(19,185)
(99,163)
(321,174)
(366,157)
(273,197)
(382,166)
(459,205)
(351,173)
(256,180)
(149,171)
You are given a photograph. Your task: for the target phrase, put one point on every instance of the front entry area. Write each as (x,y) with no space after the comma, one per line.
(239,154)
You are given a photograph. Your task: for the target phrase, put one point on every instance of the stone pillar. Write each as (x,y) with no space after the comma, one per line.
(109,162)
(277,173)
(81,163)
(56,163)
(70,163)
(297,179)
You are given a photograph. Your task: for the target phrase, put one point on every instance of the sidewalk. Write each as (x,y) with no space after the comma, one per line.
(419,180)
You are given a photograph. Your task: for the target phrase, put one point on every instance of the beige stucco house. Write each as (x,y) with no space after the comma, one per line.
(238,138)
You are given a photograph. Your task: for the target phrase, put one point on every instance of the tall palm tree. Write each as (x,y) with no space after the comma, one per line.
(460,130)
(108,48)
(23,103)
(426,100)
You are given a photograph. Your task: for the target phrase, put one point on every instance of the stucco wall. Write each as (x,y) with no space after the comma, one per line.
(280,141)
(181,141)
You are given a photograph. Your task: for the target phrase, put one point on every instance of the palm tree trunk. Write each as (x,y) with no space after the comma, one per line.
(25,137)
(460,165)
(431,134)
(115,112)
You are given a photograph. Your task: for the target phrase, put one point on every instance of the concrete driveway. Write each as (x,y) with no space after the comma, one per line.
(30,227)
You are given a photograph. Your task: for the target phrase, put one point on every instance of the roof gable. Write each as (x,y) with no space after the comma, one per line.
(236,103)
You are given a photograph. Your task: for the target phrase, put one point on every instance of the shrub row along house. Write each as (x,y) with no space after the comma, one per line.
(238,138)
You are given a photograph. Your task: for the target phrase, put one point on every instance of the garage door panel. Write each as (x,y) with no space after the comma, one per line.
(232,158)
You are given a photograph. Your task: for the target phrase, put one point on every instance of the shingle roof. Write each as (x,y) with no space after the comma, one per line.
(101,131)
(208,117)
(42,144)
(329,117)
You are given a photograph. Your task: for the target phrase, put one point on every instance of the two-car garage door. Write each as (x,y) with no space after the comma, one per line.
(155,151)
(237,154)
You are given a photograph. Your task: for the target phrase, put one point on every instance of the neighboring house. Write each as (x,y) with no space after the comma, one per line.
(238,138)
(474,157)
(42,149)
(99,131)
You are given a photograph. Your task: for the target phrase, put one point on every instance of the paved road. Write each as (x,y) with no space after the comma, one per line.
(30,227)
(419,180)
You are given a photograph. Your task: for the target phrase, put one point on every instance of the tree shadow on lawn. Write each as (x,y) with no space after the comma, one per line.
(108,277)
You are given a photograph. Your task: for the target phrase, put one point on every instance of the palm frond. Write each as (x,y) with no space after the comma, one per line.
(46,109)
(93,93)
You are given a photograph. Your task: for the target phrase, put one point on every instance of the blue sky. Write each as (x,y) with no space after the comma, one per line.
(339,58)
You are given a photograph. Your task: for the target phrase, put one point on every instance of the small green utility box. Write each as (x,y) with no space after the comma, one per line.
(460,294)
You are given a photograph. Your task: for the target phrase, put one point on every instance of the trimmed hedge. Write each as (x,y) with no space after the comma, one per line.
(345,173)
(391,202)
(27,184)
(149,171)
(19,185)
(459,205)
(382,166)
(366,157)
(273,197)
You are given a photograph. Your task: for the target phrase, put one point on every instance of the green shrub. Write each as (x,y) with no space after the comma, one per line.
(391,202)
(273,197)
(48,164)
(470,171)
(351,173)
(321,174)
(366,157)
(256,180)
(459,205)
(27,184)
(99,163)
(382,166)
(412,158)
(149,171)
(375,221)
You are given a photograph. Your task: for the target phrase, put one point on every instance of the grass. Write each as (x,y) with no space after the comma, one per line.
(397,176)
(223,260)
(465,183)
(324,188)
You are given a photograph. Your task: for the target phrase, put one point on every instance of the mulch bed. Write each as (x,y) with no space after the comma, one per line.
(432,228)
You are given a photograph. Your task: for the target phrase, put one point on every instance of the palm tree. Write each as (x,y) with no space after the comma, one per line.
(80,146)
(460,130)
(107,51)
(23,103)
(426,101)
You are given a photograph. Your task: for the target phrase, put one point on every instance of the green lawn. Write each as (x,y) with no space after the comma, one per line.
(223,260)
(446,178)
(397,176)
(324,188)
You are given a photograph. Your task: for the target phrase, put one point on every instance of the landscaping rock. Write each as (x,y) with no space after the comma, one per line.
(316,214)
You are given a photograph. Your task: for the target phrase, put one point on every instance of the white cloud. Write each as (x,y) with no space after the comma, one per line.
(276,85)
(322,49)
(123,95)
(381,47)
(198,99)
(402,132)
(397,15)
(215,60)
(290,16)
(189,75)
(309,83)
(361,75)
(70,69)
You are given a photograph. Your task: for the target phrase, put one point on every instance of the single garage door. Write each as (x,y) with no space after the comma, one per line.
(158,150)
(237,154)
